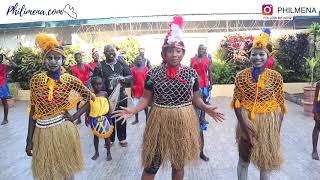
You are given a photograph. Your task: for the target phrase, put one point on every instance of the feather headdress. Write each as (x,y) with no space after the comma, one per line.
(173,37)
(48,43)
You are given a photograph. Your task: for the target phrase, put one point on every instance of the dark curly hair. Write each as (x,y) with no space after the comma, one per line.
(94,79)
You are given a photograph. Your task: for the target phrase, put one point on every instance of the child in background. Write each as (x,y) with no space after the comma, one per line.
(97,118)
(139,73)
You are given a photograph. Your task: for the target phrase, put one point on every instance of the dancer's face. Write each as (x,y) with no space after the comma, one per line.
(53,61)
(174,56)
(258,57)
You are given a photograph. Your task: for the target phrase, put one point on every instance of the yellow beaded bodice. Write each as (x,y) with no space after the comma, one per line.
(51,98)
(258,97)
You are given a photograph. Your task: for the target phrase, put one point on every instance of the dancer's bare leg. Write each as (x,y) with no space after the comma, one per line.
(264,175)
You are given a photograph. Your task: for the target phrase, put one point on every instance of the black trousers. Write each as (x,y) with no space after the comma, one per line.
(120,129)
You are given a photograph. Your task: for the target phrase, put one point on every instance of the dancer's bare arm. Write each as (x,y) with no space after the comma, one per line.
(211,110)
(126,113)
(315,102)
(77,115)
(243,124)
(31,127)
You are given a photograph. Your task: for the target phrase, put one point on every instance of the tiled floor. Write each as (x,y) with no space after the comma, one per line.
(220,146)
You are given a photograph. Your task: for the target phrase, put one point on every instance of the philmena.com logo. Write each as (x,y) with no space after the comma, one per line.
(267,9)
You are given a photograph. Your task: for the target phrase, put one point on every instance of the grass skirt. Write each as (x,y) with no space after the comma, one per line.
(57,152)
(266,152)
(173,135)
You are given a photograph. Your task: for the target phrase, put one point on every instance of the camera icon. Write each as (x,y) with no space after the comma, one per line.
(267,9)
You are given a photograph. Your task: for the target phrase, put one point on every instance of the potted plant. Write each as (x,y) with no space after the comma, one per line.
(311,63)
(310,90)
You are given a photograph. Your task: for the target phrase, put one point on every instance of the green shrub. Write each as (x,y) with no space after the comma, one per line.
(69,52)
(293,50)
(129,48)
(315,32)
(27,60)
(223,72)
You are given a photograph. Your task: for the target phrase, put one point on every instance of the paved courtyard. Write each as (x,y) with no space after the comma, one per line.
(220,146)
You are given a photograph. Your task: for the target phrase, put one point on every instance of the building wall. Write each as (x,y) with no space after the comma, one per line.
(151,42)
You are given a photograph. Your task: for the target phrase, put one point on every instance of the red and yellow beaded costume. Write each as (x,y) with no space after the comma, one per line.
(57,152)
(261,105)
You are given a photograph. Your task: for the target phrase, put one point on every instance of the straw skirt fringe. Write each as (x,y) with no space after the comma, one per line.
(173,135)
(57,152)
(266,152)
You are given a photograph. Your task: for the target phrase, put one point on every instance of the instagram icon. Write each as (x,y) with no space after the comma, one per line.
(267,9)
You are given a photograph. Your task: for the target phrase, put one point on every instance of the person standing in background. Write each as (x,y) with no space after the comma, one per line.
(139,73)
(82,72)
(4,89)
(145,62)
(113,72)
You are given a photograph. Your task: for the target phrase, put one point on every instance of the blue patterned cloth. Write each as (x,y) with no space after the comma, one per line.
(4,92)
(203,126)
(102,126)
(205,96)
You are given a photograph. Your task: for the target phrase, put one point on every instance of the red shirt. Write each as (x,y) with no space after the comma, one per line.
(93,65)
(82,74)
(202,69)
(138,81)
(3,74)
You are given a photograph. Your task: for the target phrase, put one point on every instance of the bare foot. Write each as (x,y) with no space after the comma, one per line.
(204,157)
(4,122)
(95,156)
(124,143)
(109,157)
(315,155)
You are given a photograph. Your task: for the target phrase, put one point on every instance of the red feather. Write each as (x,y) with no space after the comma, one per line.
(178,20)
